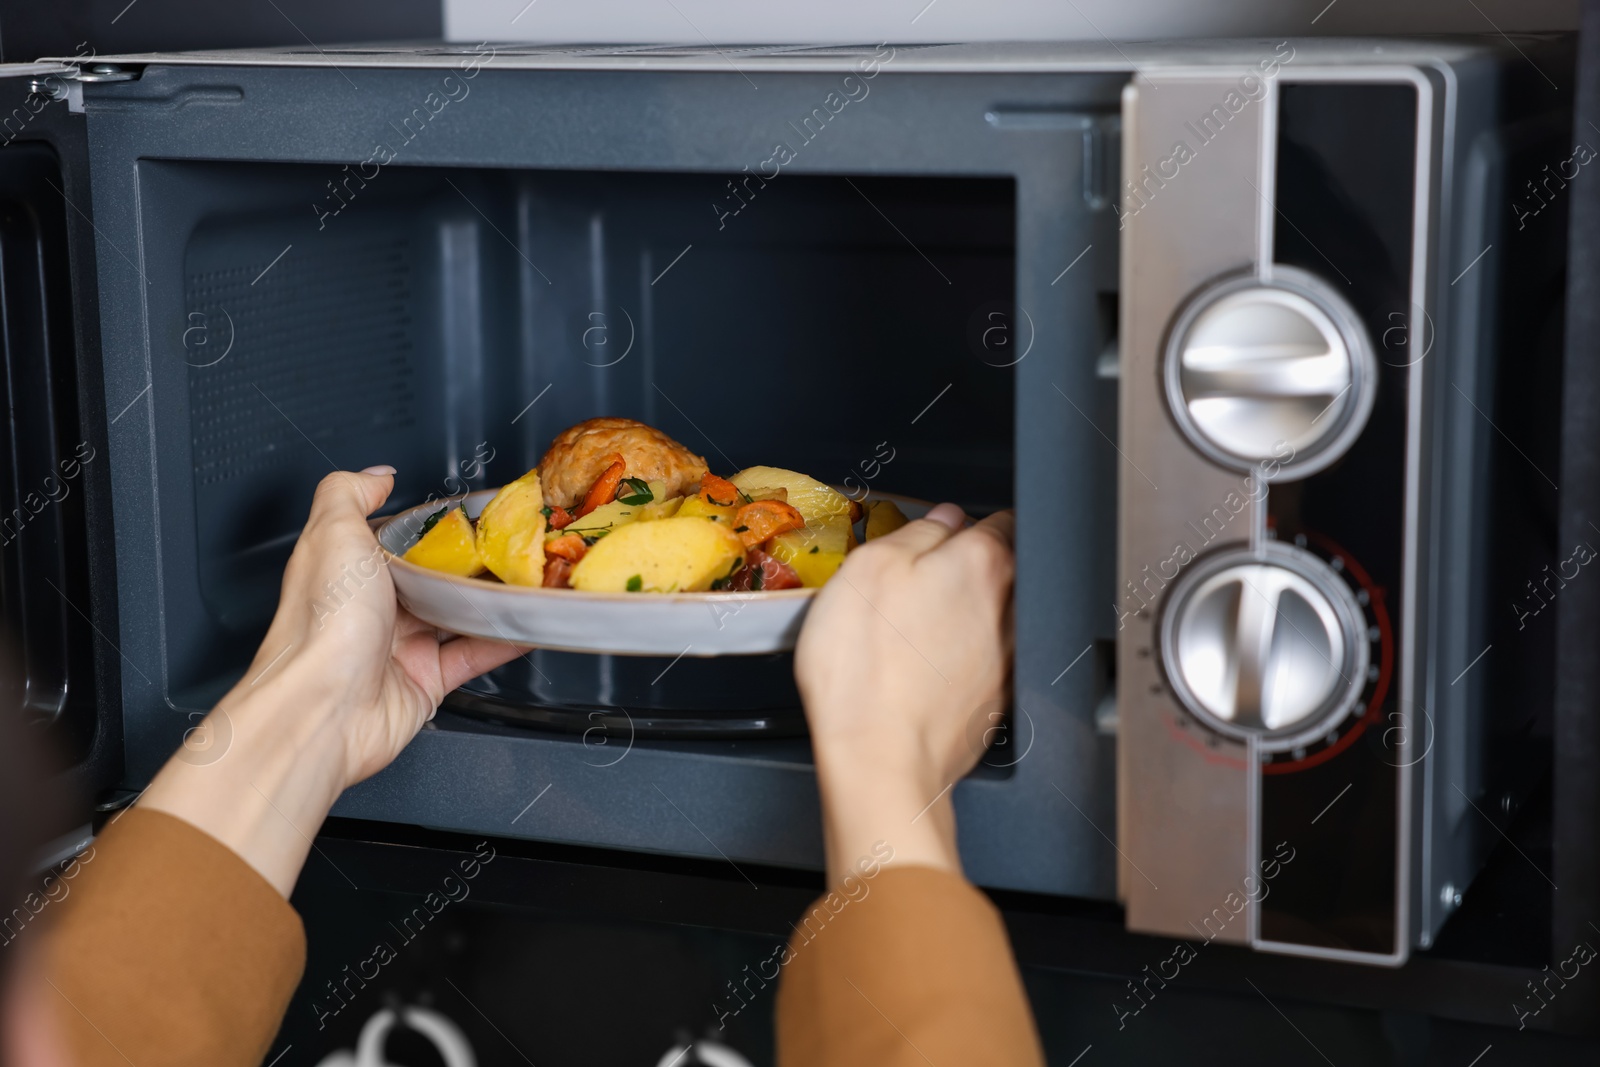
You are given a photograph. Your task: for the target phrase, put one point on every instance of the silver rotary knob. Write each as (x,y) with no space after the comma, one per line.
(1262,371)
(1266,643)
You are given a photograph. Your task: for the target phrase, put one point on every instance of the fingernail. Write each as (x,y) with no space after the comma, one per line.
(380,469)
(948,514)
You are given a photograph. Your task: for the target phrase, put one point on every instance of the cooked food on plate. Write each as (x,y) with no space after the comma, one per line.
(617,506)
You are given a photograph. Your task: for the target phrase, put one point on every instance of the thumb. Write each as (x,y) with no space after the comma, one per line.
(351,494)
(929,532)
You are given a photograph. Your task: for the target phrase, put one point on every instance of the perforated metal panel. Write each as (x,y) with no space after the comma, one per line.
(318,347)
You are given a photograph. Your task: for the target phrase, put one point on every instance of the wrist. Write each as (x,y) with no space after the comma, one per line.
(271,765)
(288,735)
(874,805)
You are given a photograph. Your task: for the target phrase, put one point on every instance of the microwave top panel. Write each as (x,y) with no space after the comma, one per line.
(1021,57)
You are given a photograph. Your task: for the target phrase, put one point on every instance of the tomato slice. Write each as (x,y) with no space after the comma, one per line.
(718,491)
(773,574)
(557,571)
(569,546)
(560,517)
(761,519)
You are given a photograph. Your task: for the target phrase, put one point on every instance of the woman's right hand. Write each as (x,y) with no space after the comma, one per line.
(903,666)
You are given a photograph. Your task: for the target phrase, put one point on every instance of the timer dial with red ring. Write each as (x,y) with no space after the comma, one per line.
(1379,637)
(1276,644)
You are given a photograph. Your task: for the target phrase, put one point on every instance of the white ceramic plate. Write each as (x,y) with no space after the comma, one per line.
(629,624)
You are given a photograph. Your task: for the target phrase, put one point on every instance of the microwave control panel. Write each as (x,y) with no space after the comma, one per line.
(1267,741)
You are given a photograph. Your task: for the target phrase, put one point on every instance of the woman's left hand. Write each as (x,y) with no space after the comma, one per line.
(342,683)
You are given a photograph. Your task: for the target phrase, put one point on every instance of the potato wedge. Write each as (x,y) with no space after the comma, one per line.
(668,555)
(603,519)
(451,546)
(511,532)
(884,517)
(696,507)
(660,509)
(814,500)
(816,550)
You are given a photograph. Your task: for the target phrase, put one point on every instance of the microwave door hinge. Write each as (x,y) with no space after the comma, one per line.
(68,84)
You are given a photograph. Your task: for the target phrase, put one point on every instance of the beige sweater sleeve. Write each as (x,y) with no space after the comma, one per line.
(916,971)
(170,950)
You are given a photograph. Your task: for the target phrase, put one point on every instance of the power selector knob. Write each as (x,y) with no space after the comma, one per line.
(1278,370)
(1266,643)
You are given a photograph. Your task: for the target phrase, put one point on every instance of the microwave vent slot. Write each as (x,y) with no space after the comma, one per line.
(321,349)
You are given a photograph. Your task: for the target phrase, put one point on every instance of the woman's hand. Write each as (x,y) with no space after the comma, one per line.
(902,663)
(343,681)
(383,670)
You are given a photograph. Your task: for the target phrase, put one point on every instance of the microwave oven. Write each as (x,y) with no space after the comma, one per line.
(1262,340)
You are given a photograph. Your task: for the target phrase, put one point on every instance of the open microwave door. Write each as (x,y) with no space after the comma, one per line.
(58,674)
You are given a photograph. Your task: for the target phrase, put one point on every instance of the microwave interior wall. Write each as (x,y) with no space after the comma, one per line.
(451,322)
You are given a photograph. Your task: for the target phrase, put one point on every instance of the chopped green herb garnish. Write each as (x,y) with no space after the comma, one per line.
(433,520)
(718,584)
(756,578)
(546,511)
(814,549)
(740,529)
(635,584)
(637,492)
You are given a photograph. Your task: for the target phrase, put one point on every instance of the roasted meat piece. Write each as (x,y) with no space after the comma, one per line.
(580,454)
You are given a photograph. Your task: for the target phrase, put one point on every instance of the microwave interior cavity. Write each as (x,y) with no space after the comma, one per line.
(450,322)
